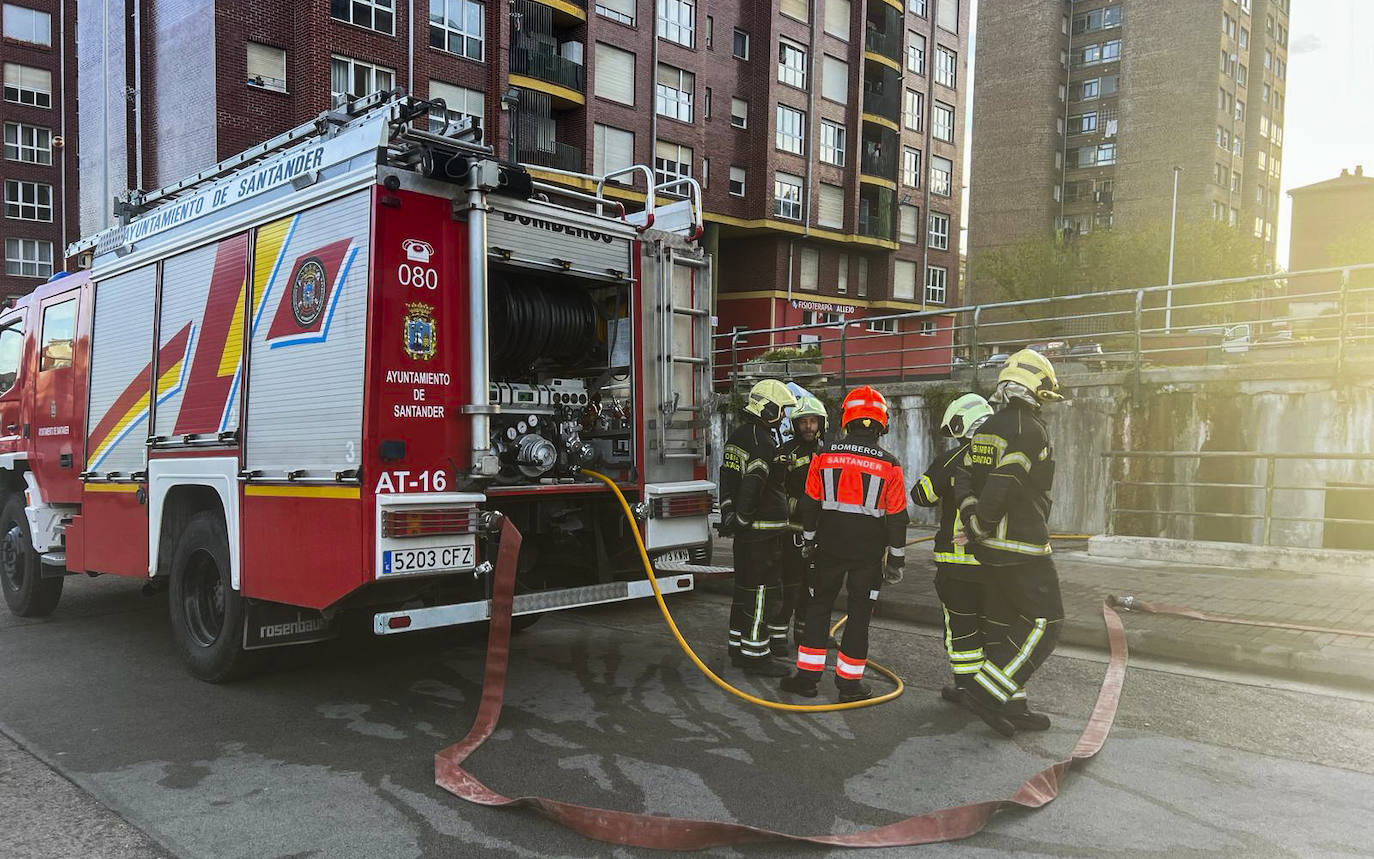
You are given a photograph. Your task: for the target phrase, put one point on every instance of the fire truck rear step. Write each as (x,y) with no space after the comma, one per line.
(392,622)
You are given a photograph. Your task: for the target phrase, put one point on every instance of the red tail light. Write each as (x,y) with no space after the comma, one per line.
(428,523)
(687,504)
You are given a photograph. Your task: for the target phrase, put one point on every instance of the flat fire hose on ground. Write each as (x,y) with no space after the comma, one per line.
(669,833)
(1130,603)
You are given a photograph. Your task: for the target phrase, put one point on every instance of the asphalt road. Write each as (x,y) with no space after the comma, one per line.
(330,752)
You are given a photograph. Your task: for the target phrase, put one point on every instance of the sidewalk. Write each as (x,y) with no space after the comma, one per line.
(1341,602)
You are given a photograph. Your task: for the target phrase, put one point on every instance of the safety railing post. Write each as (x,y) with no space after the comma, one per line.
(1111,494)
(1268,500)
(844,355)
(973,344)
(1342,320)
(1139,341)
(734,362)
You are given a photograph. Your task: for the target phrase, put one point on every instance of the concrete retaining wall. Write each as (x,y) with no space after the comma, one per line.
(1178,410)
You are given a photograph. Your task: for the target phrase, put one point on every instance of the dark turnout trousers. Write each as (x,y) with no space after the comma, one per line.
(1023,612)
(862,579)
(794,596)
(960,588)
(757,597)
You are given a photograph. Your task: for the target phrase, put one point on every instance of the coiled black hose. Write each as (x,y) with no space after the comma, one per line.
(533,321)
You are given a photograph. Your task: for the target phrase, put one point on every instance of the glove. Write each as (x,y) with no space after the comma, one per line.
(729,525)
(892,570)
(808,547)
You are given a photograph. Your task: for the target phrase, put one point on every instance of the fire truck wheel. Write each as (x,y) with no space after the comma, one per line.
(27,593)
(207,613)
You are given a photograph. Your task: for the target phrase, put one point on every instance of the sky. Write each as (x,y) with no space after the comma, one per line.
(1329,116)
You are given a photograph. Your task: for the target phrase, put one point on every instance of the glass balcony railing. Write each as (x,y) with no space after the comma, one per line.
(880,164)
(540,61)
(885,102)
(875,213)
(887,44)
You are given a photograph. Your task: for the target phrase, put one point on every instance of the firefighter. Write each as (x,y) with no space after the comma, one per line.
(1003,489)
(957,582)
(753,510)
(794,460)
(854,519)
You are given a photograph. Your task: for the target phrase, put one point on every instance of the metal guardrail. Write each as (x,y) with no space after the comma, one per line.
(1320,319)
(1236,498)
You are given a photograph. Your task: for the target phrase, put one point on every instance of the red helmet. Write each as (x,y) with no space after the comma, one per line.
(864,402)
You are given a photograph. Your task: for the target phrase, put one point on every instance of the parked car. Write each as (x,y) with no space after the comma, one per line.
(1052,349)
(995,361)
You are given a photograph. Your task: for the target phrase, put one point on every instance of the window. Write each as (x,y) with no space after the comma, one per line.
(1089,55)
(913,109)
(612,149)
(941,176)
(1097,19)
(946,65)
(1223,138)
(882,326)
(710,33)
(372,14)
(1087,90)
(673,92)
(11,351)
(793,9)
(1111,50)
(904,274)
(947,14)
(739,112)
(706,103)
(615,74)
(1240,111)
(1235,182)
(916,7)
(835,79)
(27,25)
(677,21)
(1268,58)
(1083,122)
(821,317)
(459,103)
(830,206)
(1278,134)
(911,167)
(936,283)
(741,47)
(28,201)
(1106,154)
(59,334)
(1221,174)
(837,13)
(842,274)
(28,143)
(1228,25)
(456,26)
(1242,75)
(832,143)
(942,122)
(266,67)
(915,53)
(928,328)
(1262,160)
(356,78)
(27,85)
(909,223)
(1237,145)
(671,161)
(1110,84)
(791,64)
(939,232)
(620,11)
(705,172)
(863,277)
(787,196)
(28,258)
(1244,38)
(810,269)
(737,177)
(791,129)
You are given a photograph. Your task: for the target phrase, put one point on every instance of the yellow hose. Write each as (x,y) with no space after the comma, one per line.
(701,666)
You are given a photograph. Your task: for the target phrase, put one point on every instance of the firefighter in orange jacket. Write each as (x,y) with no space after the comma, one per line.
(854,526)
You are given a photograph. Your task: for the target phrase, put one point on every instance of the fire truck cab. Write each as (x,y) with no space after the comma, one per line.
(296,385)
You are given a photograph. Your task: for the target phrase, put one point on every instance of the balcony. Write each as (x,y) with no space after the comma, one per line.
(882,94)
(875,213)
(879,164)
(883,32)
(537,59)
(559,156)
(879,154)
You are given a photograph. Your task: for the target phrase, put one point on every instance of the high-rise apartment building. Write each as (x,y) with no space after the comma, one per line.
(1085,108)
(39,168)
(827,134)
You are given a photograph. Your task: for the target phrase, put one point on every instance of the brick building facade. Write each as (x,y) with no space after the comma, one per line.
(39,168)
(827,134)
(1085,107)
(1333,224)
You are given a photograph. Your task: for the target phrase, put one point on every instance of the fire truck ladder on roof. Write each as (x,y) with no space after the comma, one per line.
(684,296)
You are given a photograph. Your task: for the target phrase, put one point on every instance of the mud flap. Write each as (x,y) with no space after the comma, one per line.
(270,624)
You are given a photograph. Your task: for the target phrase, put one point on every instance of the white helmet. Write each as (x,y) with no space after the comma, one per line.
(964,416)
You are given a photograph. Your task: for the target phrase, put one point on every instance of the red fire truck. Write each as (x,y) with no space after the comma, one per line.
(294,385)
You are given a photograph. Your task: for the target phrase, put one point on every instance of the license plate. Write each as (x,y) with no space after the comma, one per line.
(676,556)
(434,559)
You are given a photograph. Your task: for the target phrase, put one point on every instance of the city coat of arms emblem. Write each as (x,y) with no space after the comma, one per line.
(421,338)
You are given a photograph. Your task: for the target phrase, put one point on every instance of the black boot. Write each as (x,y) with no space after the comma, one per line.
(993,718)
(853,690)
(1026,719)
(801,684)
(952,694)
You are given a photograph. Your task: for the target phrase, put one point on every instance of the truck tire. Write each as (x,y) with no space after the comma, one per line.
(27,593)
(207,613)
